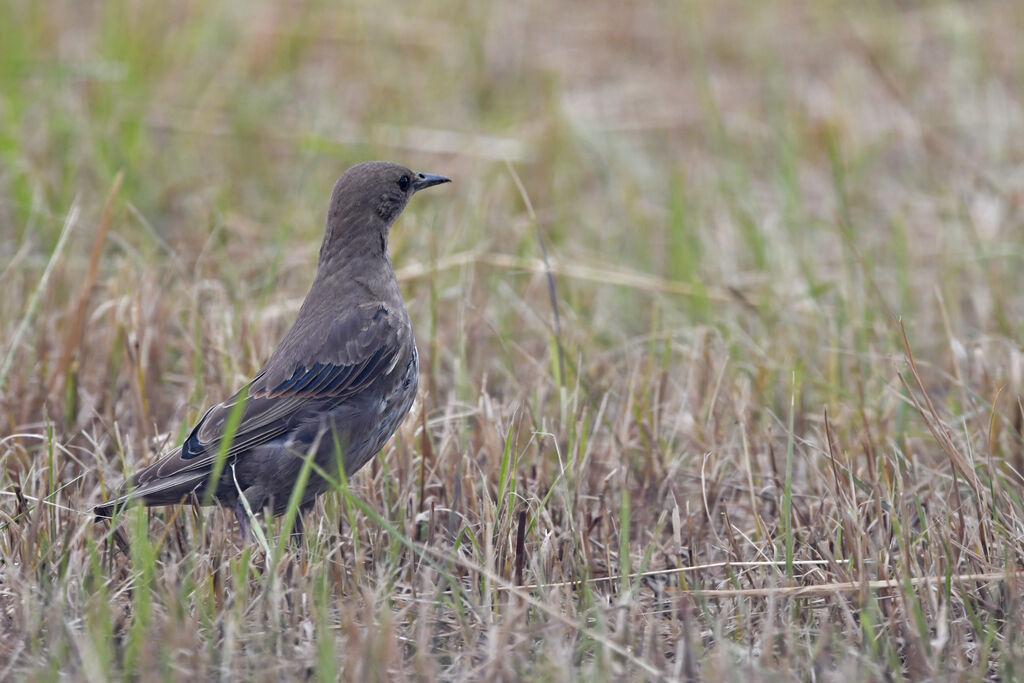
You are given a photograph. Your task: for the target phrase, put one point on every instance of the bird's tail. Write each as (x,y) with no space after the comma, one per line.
(105,510)
(160,491)
(117,505)
(114,506)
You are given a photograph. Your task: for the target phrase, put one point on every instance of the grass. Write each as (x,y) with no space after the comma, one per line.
(774,434)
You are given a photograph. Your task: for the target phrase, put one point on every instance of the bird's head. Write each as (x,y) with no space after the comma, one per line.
(366,200)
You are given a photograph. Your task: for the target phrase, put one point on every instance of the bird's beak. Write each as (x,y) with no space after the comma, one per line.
(425,180)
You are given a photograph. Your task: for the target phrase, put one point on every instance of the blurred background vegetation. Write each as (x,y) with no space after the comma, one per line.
(741,202)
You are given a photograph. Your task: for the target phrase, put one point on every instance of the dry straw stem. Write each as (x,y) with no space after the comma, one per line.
(552,292)
(33,302)
(75,329)
(595,273)
(936,426)
(817,590)
(677,570)
(598,273)
(827,589)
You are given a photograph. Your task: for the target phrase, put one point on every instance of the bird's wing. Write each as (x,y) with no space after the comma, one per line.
(336,364)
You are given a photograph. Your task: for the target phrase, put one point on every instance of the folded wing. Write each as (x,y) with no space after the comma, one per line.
(324,369)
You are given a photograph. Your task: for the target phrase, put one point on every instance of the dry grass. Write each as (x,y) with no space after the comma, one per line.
(729,460)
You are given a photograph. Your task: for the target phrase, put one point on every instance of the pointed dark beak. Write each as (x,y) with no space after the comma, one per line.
(425,180)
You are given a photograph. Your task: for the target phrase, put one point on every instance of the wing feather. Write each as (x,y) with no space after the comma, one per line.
(372,340)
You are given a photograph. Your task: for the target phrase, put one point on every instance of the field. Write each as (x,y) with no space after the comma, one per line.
(720,331)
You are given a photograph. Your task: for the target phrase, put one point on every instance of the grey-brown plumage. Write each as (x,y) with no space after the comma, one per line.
(340,382)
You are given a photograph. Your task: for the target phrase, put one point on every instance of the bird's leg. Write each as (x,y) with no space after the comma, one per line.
(242,515)
(299,526)
(121,540)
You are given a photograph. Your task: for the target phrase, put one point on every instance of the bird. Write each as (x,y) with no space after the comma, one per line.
(335,389)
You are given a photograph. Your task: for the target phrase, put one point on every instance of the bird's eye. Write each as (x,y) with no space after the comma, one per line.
(403,183)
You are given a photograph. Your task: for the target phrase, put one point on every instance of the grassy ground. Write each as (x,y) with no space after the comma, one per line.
(775,432)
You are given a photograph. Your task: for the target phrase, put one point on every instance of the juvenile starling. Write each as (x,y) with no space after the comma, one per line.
(338,384)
